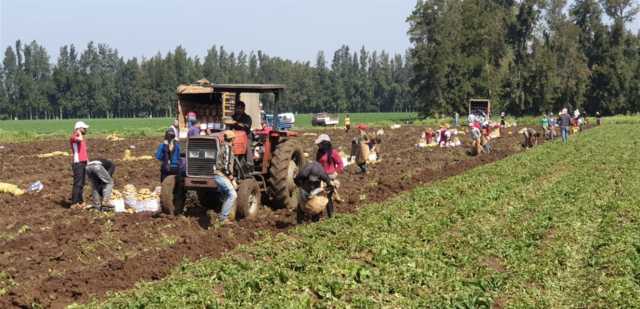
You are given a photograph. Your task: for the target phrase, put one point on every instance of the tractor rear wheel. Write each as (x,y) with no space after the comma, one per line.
(286,161)
(248,203)
(172,196)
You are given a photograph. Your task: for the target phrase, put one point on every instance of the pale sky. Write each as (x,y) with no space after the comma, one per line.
(293,29)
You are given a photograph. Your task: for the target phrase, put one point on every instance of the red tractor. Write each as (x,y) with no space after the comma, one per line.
(276,155)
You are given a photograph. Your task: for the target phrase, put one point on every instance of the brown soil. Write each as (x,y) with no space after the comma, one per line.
(52,255)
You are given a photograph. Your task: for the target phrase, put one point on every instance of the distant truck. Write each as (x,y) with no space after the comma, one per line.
(479,109)
(324,120)
(286,121)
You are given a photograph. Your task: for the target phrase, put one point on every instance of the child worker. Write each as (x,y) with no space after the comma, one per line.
(330,160)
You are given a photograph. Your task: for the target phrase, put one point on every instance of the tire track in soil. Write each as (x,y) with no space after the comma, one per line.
(67,256)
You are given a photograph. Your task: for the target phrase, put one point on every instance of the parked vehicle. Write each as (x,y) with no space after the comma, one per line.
(276,160)
(324,119)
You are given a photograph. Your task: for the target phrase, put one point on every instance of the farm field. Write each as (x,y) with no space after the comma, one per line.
(26,130)
(53,256)
(552,227)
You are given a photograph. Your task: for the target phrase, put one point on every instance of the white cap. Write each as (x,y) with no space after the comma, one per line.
(81,125)
(323,138)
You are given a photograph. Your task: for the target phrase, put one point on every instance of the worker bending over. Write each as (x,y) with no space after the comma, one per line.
(530,137)
(100,174)
(310,180)
(360,148)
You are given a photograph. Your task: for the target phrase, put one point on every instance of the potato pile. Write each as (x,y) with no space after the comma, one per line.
(146,195)
(54,154)
(11,189)
(114,138)
(116,195)
(129,157)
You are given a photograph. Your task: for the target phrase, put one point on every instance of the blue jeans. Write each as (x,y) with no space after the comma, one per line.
(565,134)
(229,194)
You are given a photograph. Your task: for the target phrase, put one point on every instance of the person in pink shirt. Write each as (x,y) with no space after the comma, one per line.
(330,161)
(78,144)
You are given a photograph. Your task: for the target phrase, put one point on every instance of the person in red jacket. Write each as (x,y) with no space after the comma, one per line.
(78,144)
(330,161)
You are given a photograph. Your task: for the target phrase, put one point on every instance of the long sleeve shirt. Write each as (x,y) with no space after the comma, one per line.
(78,148)
(225,159)
(336,166)
(172,159)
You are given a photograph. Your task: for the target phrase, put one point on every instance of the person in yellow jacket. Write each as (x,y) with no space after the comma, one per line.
(347,123)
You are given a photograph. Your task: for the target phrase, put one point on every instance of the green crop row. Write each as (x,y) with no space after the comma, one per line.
(557,226)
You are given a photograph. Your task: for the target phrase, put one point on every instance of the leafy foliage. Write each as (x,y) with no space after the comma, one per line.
(98,83)
(527,56)
(553,227)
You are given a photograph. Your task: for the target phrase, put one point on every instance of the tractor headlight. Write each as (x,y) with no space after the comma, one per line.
(194,154)
(209,155)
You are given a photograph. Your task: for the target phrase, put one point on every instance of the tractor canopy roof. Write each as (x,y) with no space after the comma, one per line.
(204,86)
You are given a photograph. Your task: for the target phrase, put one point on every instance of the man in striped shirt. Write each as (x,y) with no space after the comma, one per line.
(79,150)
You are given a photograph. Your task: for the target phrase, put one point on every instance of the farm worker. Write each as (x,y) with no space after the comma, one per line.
(598,118)
(169,154)
(443,134)
(243,122)
(360,148)
(503,123)
(545,126)
(192,119)
(79,150)
(175,127)
(565,123)
(530,137)
(224,176)
(476,137)
(347,123)
(100,174)
(308,180)
(194,130)
(428,136)
(330,160)
(553,123)
(374,143)
(203,129)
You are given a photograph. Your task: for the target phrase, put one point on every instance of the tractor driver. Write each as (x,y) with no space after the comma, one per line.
(243,122)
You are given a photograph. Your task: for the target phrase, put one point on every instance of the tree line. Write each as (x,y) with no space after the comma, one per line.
(528,56)
(98,82)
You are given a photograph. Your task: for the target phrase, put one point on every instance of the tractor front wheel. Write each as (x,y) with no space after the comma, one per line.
(172,196)
(248,203)
(286,161)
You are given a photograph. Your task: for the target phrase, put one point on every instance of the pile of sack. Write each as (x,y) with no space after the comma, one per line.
(133,200)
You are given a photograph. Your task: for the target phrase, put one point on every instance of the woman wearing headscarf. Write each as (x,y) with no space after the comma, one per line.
(330,160)
(169,154)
